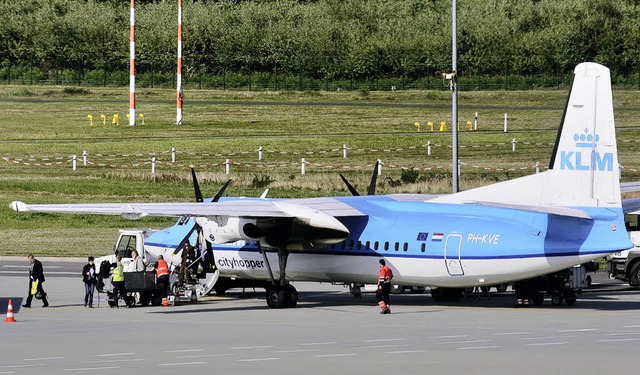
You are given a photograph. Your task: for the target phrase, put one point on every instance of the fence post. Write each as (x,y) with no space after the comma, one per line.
(379,167)
(537,167)
(302,162)
(153,165)
(84,157)
(344,151)
(260,153)
(428,148)
(459,168)
(475,122)
(513,145)
(73,162)
(226,166)
(505,122)
(173,155)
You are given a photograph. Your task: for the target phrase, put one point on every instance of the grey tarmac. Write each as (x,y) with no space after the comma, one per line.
(329,332)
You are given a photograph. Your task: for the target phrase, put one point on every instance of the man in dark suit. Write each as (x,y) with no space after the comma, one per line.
(36,274)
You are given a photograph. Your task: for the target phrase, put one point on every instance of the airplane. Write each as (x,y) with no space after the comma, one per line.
(505,232)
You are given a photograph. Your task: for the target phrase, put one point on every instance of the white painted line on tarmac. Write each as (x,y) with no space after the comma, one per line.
(318,343)
(381,346)
(619,340)
(383,340)
(91,368)
(182,363)
(579,330)
(546,337)
(480,347)
(114,354)
(21,366)
(205,355)
(43,358)
(450,337)
(259,359)
(335,355)
(633,326)
(183,351)
(548,343)
(117,360)
(406,351)
(251,347)
(297,351)
(511,333)
(7,372)
(464,342)
(622,334)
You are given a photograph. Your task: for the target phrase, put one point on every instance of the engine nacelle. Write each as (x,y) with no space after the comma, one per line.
(229,229)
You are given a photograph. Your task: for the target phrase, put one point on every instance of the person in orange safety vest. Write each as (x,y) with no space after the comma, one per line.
(384,288)
(162,272)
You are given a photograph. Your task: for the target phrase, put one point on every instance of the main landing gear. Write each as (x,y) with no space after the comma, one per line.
(280,294)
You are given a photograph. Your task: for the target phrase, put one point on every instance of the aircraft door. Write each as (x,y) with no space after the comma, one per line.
(452,254)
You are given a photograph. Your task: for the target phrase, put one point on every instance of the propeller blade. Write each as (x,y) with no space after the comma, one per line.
(224,187)
(374,179)
(353,191)
(196,186)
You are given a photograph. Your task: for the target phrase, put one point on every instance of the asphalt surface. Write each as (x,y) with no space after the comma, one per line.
(329,331)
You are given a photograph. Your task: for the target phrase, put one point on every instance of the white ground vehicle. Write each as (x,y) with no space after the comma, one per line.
(142,288)
(625,265)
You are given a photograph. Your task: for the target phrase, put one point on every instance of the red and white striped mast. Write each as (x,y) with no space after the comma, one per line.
(179,72)
(132,70)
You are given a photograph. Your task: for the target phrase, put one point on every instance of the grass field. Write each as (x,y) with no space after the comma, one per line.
(46,125)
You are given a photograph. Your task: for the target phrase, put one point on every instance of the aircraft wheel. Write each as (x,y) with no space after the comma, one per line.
(538,299)
(502,288)
(556,300)
(397,289)
(291,295)
(273,297)
(485,289)
(130,301)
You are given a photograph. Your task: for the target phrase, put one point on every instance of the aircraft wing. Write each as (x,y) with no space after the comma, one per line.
(629,187)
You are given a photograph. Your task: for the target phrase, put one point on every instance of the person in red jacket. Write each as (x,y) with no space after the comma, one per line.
(384,288)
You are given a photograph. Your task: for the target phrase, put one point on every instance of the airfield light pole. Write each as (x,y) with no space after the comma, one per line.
(454,98)
(179,73)
(132,70)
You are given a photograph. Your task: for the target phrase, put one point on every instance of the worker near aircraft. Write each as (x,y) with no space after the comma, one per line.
(384,288)
(117,281)
(36,278)
(162,273)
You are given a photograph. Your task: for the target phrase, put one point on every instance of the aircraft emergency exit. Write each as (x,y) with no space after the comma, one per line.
(513,230)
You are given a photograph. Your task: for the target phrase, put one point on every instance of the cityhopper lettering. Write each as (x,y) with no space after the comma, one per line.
(585,158)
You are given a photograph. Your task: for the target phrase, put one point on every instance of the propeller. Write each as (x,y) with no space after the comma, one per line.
(372,184)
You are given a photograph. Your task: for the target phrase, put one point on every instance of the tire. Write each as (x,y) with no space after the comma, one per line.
(437,294)
(145,299)
(291,295)
(502,288)
(397,289)
(634,275)
(273,297)
(570,301)
(130,301)
(570,297)
(537,299)
(485,289)
(556,300)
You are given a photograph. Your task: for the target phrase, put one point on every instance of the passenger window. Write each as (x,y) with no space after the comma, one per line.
(423,247)
(386,246)
(350,244)
(405,247)
(375,245)
(359,245)
(368,245)
(397,246)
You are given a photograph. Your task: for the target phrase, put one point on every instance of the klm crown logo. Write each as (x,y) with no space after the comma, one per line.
(586,160)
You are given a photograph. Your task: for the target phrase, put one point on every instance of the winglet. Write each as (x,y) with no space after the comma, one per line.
(19,206)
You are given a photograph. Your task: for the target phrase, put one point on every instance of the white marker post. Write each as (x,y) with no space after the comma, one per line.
(260,153)
(428,148)
(84,158)
(475,122)
(73,162)
(153,165)
(226,166)
(513,145)
(505,122)
(302,163)
(173,155)
(344,151)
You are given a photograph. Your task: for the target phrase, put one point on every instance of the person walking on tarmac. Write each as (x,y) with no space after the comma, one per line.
(36,275)
(384,288)
(90,281)
(117,281)
(162,273)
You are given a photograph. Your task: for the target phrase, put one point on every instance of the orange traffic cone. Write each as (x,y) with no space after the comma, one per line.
(10,318)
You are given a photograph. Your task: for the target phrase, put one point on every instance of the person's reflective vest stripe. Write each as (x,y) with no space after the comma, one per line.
(118,273)
(162,269)
(385,275)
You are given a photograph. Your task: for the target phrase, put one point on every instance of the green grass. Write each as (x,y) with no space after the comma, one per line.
(41,123)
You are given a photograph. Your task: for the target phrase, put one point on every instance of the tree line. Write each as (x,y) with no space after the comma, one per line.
(356,40)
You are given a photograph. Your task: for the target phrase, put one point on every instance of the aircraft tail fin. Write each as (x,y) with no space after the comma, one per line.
(583,169)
